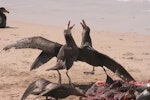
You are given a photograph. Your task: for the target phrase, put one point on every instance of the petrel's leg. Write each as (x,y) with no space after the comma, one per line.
(91,72)
(69,79)
(59,81)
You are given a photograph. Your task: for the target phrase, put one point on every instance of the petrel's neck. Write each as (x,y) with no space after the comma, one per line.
(69,39)
(85,34)
(86,37)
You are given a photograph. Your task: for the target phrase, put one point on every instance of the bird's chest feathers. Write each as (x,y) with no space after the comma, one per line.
(68,51)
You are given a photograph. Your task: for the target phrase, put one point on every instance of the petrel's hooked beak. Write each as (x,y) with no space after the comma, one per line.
(70,27)
(2,9)
(83,24)
(6,11)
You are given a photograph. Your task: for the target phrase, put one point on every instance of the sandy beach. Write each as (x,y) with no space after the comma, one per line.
(131,50)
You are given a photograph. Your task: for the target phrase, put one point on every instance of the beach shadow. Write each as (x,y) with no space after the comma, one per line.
(10,27)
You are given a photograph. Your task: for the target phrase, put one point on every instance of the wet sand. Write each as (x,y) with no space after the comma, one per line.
(131,50)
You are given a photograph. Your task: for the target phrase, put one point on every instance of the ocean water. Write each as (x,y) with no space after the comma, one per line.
(109,15)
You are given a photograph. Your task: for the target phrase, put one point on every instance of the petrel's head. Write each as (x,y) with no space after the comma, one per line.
(84,26)
(68,29)
(2,9)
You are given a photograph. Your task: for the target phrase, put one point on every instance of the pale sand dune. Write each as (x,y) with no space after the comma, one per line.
(129,49)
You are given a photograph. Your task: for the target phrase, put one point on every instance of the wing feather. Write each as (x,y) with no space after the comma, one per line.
(43,58)
(35,43)
(29,90)
(96,58)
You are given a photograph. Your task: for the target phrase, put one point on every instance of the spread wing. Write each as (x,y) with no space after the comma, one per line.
(35,43)
(96,58)
(43,58)
(49,49)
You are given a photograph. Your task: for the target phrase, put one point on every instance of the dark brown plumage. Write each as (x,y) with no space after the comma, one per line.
(3,17)
(86,40)
(95,58)
(67,54)
(49,89)
(92,58)
(86,54)
(49,49)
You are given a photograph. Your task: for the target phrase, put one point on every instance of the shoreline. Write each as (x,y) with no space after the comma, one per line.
(77,27)
(113,15)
